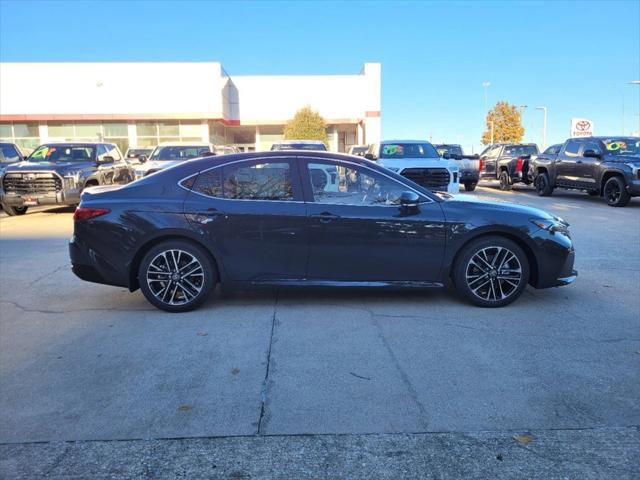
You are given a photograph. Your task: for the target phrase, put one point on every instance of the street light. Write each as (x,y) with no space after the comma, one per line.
(544,127)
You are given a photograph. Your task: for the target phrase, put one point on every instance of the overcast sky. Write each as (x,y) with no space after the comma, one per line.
(575,58)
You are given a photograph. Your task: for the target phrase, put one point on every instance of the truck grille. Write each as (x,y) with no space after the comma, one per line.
(25,183)
(433,178)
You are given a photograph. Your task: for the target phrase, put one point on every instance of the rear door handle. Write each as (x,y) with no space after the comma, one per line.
(326,217)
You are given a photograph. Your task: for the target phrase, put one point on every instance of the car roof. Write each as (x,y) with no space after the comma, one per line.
(303,142)
(446,144)
(184,144)
(222,159)
(75,144)
(403,141)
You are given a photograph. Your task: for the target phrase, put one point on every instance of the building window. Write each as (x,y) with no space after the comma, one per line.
(91,132)
(150,134)
(25,135)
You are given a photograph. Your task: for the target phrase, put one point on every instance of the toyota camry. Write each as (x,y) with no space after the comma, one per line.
(306,218)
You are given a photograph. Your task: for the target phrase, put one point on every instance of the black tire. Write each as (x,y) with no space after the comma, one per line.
(470,186)
(13,211)
(173,294)
(469,272)
(505,181)
(615,192)
(543,185)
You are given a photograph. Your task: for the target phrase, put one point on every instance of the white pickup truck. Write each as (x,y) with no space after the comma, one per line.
(419,161)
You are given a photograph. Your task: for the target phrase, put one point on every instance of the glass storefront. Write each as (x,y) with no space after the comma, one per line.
(150,134)
(25,135)
(114,132)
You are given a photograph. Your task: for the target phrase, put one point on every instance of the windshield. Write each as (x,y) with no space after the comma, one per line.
(63,153)
(359,150)
(165,154)
(408,150)
(9,154)
(298,146)
(622,146)
(450,149)
(520,150)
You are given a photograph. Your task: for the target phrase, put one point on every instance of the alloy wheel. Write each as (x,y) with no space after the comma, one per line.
(175,277)
(493,273)
(612,192)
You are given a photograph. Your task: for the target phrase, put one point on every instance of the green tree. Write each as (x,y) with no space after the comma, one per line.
(507,124)
(306,124)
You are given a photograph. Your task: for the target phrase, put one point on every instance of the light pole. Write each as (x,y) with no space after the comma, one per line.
(485,85)
(636,82)
(544,126)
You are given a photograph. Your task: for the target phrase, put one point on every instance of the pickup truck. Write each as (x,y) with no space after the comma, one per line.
(606,167)
(508,163)
(468,164)
(57,173)
(418,161)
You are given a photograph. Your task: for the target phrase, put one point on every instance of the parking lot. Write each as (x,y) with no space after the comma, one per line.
(420,383)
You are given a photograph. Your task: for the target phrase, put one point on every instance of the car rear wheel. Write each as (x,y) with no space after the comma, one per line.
(13,211)
(543,185)
(176,275)
(491,272)
(470,186)
(505,181)
(615,192)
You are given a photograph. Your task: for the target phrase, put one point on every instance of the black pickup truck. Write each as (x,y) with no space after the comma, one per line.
(507,162)
(602,166)
(468,164)
(56,174)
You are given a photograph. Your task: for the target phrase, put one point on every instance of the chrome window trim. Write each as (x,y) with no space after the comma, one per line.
(428,200)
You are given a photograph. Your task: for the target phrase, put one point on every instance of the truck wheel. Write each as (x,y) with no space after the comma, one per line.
(470,186)
(12,211)
(505,181)
(543,185)
(615,192)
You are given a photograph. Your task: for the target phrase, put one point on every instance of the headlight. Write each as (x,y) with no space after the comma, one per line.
(552,226)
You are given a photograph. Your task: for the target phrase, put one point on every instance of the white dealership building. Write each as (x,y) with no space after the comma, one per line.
(142,104)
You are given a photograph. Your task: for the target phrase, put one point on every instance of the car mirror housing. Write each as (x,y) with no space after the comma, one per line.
(446,155)
(142,158)
(369,156)
(106,159)
(409,200)
(591,154)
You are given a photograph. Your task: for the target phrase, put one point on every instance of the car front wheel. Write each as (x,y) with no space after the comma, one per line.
(470,186)
(491,272)
(176,275)
(615,192)
(12,211)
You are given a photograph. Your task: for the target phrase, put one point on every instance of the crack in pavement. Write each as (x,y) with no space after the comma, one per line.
(42,277)
(265,382)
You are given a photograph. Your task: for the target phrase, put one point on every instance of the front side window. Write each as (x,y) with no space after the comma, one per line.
(572,148)
(595,146)
(520,150)
(352,185)
(262,181)
(58,153)
(113,152)
(552,150)
(408,150)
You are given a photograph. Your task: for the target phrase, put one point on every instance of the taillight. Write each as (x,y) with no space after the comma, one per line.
(83,213)
(480,164)
(519,164)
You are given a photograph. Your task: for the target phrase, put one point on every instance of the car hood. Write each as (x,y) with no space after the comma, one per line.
(476,204)
(61,168)
(402,163)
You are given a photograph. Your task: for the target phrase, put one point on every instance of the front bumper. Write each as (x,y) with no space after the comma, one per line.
(63,197)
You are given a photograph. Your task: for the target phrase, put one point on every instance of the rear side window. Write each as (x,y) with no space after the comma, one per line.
(595,146)
(572,148)
(263,181)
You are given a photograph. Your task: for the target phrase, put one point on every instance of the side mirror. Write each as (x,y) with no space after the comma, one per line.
(142,158)
(475,156)
(409,200)
(369,156)
(446,155)
(591,154)
(106,159)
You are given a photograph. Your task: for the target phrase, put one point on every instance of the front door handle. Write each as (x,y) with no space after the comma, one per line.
(206,216)
(326,217)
